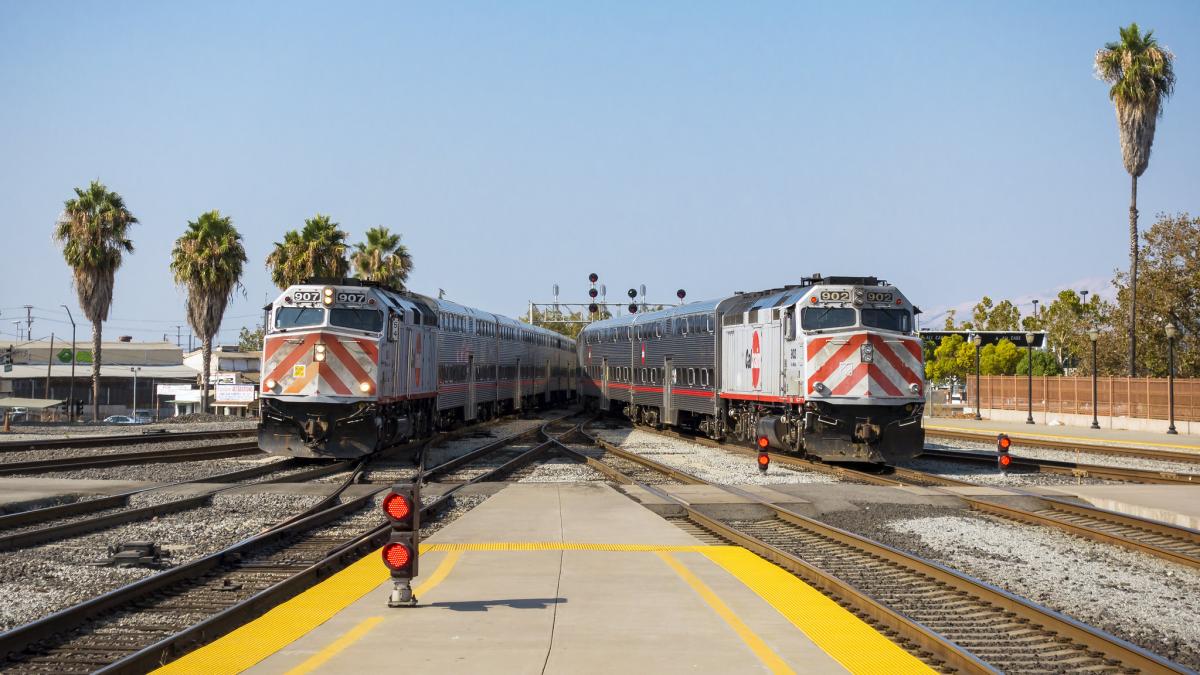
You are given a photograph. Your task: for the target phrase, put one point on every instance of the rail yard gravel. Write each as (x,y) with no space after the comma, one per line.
(40,580)
(562,470)
(163,472)
(1082,457)
(1150,602)
(447,451)
(711,464)
(34,432)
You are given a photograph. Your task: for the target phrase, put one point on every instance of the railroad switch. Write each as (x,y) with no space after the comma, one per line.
(136,554)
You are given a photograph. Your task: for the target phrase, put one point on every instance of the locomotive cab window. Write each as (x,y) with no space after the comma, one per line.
(818,318)
(299,317)
(358,319)
(898,320)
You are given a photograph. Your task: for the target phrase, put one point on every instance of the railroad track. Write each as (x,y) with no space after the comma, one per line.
(123,439)
(1162,540)
(152,621)
(947,618)
(1097,448)
(125,458)
(1122,474)
(41,526)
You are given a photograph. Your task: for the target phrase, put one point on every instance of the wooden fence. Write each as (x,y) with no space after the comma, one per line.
(1139,397)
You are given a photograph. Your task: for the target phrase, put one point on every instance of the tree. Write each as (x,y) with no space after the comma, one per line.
(1169,291)
(1142,78)
(250,340)
(999,359)
(558,321)
(1044,363)
(93,232)
(319,250)
(207,262)
(953,358)
(382,258)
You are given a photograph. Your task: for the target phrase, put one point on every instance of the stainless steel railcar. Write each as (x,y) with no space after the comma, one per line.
(350,367)
(830,368)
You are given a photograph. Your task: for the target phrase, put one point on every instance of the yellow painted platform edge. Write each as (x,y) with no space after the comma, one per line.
(283,624)
(843,636)
(1016,436)
(565,546)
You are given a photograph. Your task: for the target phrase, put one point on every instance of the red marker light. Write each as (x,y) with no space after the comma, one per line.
(763,441)
(1003,442)
(764,461)
(396,556)
(813,299)
(899,301)
(396,506)
(1005,460)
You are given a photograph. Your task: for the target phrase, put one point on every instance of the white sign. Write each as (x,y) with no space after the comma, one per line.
(235,393)
(169,389)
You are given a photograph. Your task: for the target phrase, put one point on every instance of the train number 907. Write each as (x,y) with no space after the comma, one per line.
(352,298)
(306,296)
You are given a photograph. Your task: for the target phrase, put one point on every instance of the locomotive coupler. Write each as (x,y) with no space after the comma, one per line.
(866,432)
(402,595)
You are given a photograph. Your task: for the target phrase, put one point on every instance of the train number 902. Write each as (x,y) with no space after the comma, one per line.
(877,296)
(835,296)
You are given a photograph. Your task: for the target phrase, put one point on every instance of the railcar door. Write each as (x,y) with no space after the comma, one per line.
(517,388)
(604,383)
(668,407)
(469,409)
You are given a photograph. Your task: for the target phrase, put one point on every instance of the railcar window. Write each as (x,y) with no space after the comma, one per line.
(358,319)
(297,317)
(732,319)
(691,376)
(888,319)
(754,316)
(817,318)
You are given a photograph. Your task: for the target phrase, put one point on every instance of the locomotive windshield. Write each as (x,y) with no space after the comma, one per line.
(817,318)
(299,317)
(358,319)
(898,320)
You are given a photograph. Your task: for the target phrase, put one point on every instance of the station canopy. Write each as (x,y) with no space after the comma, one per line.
(31,403)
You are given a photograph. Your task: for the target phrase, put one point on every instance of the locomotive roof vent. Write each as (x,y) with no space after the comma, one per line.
(817,279)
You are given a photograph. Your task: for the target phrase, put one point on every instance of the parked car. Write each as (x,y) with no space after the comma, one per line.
(18,414)
(120,419)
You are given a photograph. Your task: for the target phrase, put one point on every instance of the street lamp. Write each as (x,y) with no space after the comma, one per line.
(71,389)
(1029,351)
(135,370)
(978,340)
(1094,335)
(1172,333)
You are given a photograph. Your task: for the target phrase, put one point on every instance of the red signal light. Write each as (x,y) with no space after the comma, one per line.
(763,441)
(764,461)
(593,277)
(1003,442)
(1005,460)
(593,292)
(633,308)
(396,556)
(593,308)
(396,506)
(681,294)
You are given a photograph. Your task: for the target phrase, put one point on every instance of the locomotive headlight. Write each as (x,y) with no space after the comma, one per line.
(867,353)
(819,387)
(319,354)
(914,388)
(327,296)
(270,384)
(364,387)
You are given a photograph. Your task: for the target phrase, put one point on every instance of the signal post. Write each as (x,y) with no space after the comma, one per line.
(403,508)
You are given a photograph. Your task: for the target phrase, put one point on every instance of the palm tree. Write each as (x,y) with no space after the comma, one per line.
(93,231)
(207,261)
(1142,78)
(319,250)
(382,258)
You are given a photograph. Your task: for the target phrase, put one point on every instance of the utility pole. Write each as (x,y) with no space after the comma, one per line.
(71,389)
(49,362)
(28,322)
(178,337)
(17,323)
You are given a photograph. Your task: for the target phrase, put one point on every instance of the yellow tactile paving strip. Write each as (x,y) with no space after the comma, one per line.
(852,643)
(849,641)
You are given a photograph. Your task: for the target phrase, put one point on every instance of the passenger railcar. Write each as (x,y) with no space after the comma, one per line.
(830,368)
(351,367)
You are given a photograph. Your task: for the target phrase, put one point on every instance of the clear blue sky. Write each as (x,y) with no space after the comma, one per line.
(955,148)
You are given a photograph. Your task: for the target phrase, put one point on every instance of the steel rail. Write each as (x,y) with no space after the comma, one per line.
(1086,638)
(123,439)
(1074,446)
(125,458)
(1123,474)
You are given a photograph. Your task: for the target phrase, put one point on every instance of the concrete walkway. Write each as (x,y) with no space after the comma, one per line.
(1146,439)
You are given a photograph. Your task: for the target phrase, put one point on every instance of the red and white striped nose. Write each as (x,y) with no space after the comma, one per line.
(864,364)
(320,364)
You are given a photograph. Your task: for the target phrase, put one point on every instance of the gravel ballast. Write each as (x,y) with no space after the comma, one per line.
(711,464)
(150,446)
(989,475)
(34,432)
(1082,457)
(1150,602)
(40,580)
(164,472)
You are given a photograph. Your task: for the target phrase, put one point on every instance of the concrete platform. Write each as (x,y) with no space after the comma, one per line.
(27,492)
(1174,504)
(1072,434)
(560,578)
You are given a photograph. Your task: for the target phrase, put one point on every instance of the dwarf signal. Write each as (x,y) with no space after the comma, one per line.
(764,459)
(403,508)
(1003,460)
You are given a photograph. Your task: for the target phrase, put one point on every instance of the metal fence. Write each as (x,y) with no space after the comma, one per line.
(1140,397)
